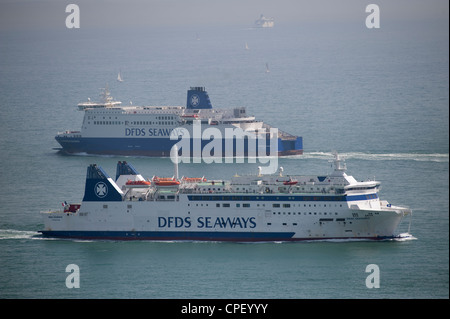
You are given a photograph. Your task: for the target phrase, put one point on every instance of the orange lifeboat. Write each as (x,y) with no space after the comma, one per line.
(138,183)
(165,181)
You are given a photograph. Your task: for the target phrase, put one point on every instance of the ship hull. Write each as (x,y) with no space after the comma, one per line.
(156,147)
(195,236)
(171,235)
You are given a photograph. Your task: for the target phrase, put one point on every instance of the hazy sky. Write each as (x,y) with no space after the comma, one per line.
(50,14)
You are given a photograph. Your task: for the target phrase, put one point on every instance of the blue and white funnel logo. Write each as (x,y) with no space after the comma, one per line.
(195,100)
(101,189)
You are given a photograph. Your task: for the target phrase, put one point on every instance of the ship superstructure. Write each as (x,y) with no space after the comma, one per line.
(112,129)
(256,207)
(264,22)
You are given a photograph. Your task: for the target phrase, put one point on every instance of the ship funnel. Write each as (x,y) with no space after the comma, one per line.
(100,187)
(123,168)
(197,98)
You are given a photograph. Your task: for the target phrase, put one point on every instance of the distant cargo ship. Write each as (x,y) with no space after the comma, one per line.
(112,129)
(256,207)
(264,22)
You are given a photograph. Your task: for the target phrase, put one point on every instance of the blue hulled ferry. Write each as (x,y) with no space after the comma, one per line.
(113,129)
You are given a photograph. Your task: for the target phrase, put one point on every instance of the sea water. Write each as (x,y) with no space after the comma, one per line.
(379,98)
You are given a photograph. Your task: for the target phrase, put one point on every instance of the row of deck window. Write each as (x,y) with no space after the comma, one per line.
(273,205)
(134,123)
(270,198)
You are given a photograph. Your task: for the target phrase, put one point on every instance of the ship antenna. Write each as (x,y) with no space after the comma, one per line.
(339,163)
(174,157)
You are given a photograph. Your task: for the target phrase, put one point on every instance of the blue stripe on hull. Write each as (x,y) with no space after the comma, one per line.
(146,146)
(172,235)
(193,236)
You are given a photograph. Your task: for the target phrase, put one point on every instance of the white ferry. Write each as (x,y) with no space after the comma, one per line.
(249,208)
(111,129)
